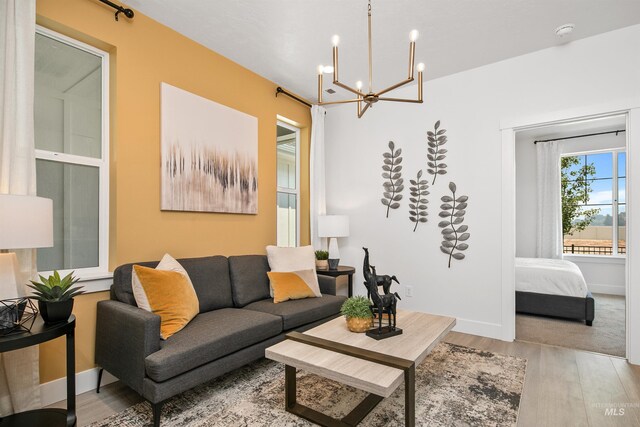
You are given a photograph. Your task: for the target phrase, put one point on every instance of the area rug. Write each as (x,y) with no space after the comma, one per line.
(607,335)
(455,386)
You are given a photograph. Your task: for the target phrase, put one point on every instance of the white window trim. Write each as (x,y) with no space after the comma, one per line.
(295,191)
(95,278)
(614,203)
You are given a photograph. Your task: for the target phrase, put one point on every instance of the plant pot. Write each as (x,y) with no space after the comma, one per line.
(55,311)
(359,324)
(322,264)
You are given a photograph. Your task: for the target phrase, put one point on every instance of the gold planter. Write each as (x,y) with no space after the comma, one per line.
(359,324)
(322,264)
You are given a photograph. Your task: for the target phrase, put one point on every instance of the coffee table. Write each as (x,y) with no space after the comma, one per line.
(377,367)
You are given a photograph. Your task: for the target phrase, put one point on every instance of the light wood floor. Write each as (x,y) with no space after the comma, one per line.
(563,387)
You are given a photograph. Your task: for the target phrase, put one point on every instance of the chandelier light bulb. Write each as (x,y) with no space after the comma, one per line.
(359,84)
(328,69)
(413,35)
(335,40)
(420,67)
(320,69)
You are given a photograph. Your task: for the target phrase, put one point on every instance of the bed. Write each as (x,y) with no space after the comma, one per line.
(552,287)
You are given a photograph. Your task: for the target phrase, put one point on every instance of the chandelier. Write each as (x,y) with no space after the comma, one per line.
(366,99)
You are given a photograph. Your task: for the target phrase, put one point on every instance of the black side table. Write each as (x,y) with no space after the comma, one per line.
(41,332)
(342,270)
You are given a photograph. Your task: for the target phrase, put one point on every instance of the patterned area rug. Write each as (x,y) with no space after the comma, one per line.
(455,386)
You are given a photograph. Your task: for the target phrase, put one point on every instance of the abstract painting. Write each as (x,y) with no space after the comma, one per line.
(209,155)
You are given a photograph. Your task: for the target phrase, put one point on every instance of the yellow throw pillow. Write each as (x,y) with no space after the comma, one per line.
(171,296)
(292,285)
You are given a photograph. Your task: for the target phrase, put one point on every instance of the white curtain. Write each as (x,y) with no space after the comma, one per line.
(549,216)
(318,204)
(19,371)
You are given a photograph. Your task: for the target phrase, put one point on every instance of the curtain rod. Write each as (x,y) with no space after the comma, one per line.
(290,95)
(580,136)
(119,9)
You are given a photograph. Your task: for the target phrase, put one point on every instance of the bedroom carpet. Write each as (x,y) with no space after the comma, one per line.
(607,335)
(455,385)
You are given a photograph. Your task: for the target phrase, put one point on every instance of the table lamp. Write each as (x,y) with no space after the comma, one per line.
(333,226)
(26,222)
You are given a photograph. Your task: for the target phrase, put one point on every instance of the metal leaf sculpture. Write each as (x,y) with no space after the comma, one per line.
(436,153)
(418,206)
(453,231)
(392,172)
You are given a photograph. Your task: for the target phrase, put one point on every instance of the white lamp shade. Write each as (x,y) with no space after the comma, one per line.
(333,226)
(26,222)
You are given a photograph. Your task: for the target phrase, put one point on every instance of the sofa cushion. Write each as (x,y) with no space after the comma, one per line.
(209,275)
(298,312)
(249,280)
(210,336)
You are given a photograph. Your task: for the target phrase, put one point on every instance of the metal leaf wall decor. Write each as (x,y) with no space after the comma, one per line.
(453,231)
(418,206)
(436,153)
(392,172)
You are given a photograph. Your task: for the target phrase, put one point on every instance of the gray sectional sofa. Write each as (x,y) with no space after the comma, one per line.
(237,321)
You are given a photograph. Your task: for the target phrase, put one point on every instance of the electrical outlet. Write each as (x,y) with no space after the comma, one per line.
(408,291)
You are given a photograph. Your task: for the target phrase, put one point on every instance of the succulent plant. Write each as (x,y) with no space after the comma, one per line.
(322,255)
(358,307)
(55,288)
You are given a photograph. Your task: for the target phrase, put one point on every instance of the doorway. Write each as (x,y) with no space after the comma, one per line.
(570,281)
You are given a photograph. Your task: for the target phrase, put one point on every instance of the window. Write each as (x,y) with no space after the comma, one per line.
(594,203)
(288,183)
(72,156)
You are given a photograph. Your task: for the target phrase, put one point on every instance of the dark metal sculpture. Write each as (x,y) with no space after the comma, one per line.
(436,140)
(385,303)
(382,280)
(453,232)
(392,172)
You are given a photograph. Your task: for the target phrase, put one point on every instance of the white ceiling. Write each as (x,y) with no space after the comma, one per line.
(285,40)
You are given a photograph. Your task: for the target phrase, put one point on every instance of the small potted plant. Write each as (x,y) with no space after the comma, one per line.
(322,260)
(55,296)
(358,313)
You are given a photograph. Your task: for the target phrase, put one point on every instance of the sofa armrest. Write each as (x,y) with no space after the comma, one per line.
(327,284)
(125,336)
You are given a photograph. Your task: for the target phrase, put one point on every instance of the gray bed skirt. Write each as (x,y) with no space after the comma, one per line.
(557,306)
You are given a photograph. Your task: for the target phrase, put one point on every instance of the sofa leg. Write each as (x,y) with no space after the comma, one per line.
(156,409)
(99,379)
(589,322)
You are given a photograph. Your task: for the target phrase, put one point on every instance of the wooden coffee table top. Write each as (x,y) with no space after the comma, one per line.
(421,333)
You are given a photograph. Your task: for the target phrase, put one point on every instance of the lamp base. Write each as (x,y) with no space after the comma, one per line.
(333,263)
(9,271)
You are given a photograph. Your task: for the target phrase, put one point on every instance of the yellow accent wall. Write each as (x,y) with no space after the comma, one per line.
(144,53)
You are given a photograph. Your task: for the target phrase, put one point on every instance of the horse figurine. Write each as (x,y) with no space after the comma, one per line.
(384,280)
(385,303)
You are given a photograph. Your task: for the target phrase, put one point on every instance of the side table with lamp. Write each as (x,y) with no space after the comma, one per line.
(26,222)
(333,227)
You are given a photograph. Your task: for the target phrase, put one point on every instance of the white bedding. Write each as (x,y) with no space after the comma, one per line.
(550,276)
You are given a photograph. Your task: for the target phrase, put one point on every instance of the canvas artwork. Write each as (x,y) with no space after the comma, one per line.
(209,155)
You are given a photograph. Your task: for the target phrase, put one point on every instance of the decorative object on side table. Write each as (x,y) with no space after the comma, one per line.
(322,260)
(357,311)
(55,296)
(26,222)
(333,226)
(385,303)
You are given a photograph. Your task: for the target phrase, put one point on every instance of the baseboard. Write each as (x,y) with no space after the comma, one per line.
(56,390)
(483,329)
(606,289)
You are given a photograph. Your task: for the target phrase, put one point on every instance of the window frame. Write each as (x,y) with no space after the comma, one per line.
(101,271)
(295,191)
(614,200)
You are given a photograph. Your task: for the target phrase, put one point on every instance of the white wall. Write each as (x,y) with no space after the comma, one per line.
(471,105)
(602,274)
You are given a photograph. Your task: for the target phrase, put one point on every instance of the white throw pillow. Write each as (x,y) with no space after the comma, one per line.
(285,260)
(168,263)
